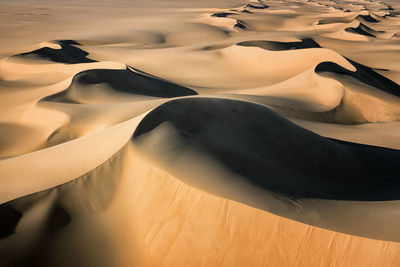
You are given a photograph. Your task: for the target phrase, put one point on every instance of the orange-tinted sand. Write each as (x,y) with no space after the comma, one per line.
(199,133)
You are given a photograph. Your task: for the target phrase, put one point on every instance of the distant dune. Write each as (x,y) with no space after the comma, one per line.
(199,133)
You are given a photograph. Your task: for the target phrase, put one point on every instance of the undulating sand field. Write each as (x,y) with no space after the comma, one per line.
(199,133)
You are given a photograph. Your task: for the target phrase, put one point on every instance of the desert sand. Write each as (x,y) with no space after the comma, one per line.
(199,133)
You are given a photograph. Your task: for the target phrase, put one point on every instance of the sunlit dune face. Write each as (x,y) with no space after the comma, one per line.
(199,133)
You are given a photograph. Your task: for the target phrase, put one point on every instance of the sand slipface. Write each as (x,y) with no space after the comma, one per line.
(199,133)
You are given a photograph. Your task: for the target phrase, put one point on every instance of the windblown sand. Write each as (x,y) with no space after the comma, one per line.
(199,133)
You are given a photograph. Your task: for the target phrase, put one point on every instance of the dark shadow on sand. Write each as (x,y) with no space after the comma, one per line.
(89,194)
(240,24)
(281,46)
(363,74)
(222,14)
(258,5)
(271,152)
(363,30)
(9,218)
(367,18)
(359,30)
(126,81)
(69,53)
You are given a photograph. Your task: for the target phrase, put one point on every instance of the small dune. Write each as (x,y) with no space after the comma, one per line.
(68,53)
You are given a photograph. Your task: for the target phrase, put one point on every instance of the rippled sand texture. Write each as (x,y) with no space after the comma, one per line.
(199,133)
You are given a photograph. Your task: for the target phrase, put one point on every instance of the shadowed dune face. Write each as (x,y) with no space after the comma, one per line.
(222,14)
(257,5)
(364,30)
(10,218)
(240,24)
(34,226)
(368,18)
(271,152)
(68,53)
(364,74)
(282,46)
(359,30)
(199,133)
(125,81)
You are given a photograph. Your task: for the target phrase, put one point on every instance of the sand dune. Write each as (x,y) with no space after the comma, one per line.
(67,52)
(106,82)
(199,133)
(348,170)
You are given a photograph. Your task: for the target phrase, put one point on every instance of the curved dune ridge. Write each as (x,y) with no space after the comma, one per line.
(271,152)
(125,81)
(223,133)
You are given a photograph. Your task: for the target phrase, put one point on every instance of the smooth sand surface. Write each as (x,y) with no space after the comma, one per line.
(199,133)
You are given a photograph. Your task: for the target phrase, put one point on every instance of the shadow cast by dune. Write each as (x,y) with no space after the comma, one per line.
(281,46)
(222,14)
(257,5)
(367,18)
(363,74)
(392,14)
(126,81)
(86,195)
(272,153)
(58,218)
(359,30)
(387,8)
(364,30)
(69,53)
(9,220)
(246,11)
(240,24)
